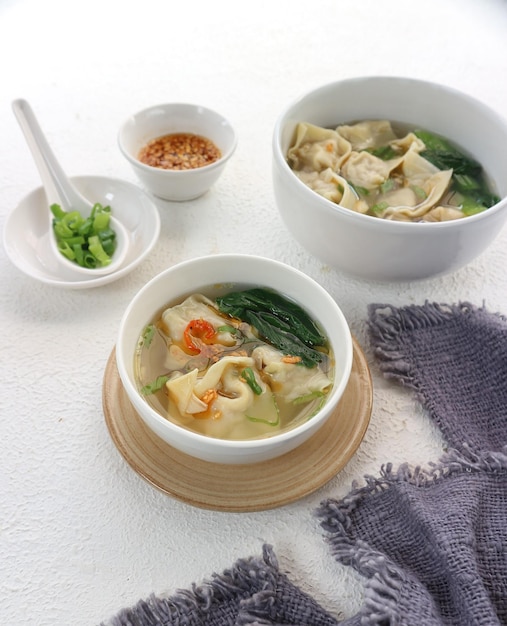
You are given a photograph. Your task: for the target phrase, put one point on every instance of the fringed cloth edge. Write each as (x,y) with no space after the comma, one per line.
(386,326)
(384,580)
(252,593)
(233,584)
(390,330)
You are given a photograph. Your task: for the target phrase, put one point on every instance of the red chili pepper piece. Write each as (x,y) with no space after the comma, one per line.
(198,329)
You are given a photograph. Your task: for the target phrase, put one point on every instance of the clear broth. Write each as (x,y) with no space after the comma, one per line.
(149,363)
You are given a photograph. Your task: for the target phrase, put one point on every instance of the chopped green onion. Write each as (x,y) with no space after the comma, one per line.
(101,219)
(359,191)
(387,185)
(383,152)
(147,336)
(380,207)
(155,386)
(67,250)
(419,192)
(88,242)
(227,329)
(308,397)
(268,407)
(249,376)
(95,248)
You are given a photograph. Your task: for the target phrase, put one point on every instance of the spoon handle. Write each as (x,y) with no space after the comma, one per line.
(56,184)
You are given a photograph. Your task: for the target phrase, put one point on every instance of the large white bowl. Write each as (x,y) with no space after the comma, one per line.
(176,117)
(370,247)
(191,276)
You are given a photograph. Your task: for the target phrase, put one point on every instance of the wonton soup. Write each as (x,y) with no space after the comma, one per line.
(243,365)
(384,170)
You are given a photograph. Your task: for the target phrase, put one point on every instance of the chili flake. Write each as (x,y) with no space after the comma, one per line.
(179,151)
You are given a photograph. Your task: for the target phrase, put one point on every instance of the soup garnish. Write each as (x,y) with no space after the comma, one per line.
(245,365)
(369,168)
(89,242)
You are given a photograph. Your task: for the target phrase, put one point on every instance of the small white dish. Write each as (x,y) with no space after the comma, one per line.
(177,117)
(26,234)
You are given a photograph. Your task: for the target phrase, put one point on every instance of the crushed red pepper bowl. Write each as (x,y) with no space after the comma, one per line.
(187,148)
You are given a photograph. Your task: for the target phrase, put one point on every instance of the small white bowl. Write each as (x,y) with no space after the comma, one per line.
(236,271)
(164,119)
(375,248)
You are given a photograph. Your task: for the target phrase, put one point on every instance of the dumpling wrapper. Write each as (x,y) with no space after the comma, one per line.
(331,186)
(316,149)
(421,174)
(367,135)
(181,390)
(186,390)
(227,412)
(409,142)
(291,381)
(443,214)
(366,170)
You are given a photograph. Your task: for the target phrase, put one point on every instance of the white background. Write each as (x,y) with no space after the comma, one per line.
(81,534)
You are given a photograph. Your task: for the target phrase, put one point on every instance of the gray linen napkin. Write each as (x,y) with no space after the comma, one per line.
(431,543)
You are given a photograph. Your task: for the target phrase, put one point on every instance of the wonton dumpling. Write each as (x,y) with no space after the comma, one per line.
(227,411)
(330,185)
(226,374)
(316,149)
(368,171)
(416,168)
(181,391)
(187,390)
(409,142)
(401,197)
(423,175)
(366,135)
(290,380)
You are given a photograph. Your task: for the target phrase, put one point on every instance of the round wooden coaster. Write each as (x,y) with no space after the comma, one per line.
(241,488)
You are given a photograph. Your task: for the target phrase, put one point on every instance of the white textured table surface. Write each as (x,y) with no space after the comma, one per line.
(81,534)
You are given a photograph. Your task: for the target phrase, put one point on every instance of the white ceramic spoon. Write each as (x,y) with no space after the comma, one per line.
(60,190)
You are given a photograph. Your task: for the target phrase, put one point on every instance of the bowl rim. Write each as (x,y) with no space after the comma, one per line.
(330,206)
(167,106)
(214,443)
